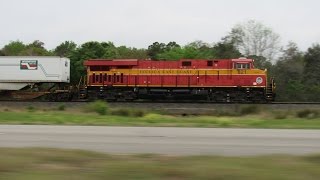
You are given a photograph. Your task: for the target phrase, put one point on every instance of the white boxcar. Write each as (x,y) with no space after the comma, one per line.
(17,72)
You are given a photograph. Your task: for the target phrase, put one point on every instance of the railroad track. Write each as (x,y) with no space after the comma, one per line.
(295,103)
(185,108)
(160,102)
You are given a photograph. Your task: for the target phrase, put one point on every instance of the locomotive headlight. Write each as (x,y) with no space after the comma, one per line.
(259,80)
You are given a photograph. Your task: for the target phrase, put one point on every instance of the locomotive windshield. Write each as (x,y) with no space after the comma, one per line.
(241,65)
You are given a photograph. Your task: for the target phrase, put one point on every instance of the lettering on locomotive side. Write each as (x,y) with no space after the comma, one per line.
(168,71)
(165,71)
(149,71)
(184,71)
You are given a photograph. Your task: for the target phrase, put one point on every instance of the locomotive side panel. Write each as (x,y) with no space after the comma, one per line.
(173,74)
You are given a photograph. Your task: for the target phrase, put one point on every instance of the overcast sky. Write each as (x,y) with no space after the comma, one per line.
(139,23)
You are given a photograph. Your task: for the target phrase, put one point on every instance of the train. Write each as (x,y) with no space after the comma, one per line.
(218,80)
(213,80)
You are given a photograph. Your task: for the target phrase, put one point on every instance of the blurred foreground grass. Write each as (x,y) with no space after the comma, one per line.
(39,163)
(80,118)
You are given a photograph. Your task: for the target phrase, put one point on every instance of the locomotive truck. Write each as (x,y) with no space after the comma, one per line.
(220,80)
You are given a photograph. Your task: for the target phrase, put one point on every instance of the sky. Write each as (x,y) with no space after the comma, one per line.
(139,23)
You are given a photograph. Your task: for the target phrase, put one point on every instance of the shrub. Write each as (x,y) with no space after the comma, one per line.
(280,114)
(219,113)
(251,109)
(308,113)
(121,112)
(99,107)
(224,123)
(138,113)
(128,112)
(31,108)
(61,107)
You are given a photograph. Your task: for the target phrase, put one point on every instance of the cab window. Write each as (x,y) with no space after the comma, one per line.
(186,63)
(242,66)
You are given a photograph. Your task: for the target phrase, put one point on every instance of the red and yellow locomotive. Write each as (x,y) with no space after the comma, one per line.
(223,80)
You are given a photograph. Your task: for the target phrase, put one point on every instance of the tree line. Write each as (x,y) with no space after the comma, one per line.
(297,73)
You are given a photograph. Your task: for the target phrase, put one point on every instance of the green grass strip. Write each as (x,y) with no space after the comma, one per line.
(47,164)
(157,120)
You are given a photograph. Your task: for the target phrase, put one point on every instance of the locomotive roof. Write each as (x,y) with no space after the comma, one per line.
(240,59)
(134,62)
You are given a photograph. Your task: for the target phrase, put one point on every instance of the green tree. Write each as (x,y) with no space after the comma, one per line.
(201,50)
(225,50)
(155,49)
(312,73)
(288,72)
(36,48)
(131,53)
(65,49)
(111,51)
(198,44)
(162,51)
(172,45)
(14,48)
(175,53)
(198,50)
(312,65)
(193,50)
(91,50)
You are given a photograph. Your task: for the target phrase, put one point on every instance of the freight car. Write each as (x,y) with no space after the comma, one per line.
(223,80)
(32,77)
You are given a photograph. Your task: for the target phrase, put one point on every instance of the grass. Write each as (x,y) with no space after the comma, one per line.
(99,107)
(80,118)
(99,113)
(39,163)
